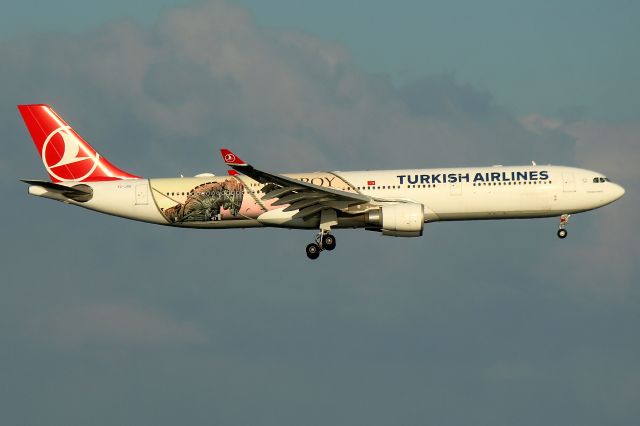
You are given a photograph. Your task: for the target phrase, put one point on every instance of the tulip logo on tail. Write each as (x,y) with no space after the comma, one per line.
(66,158)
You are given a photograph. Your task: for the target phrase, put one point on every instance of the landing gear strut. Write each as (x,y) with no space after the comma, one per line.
(564,220)
(324,239)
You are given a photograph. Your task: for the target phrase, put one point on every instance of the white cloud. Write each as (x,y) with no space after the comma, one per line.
(603,146)
(206,76)
(538,123)
(611,147)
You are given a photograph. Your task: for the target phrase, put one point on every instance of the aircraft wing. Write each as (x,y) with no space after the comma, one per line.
(307,198)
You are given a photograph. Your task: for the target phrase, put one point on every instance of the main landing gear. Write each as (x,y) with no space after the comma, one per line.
(324,239)
(564,220)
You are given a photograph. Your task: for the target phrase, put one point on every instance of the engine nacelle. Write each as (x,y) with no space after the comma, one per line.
(398,220)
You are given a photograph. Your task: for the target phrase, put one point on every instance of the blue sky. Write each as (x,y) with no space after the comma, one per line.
(105,321)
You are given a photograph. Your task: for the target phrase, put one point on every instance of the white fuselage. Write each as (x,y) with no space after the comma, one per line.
(446,194)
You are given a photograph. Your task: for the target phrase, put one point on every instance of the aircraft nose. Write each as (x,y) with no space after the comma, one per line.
(618,191)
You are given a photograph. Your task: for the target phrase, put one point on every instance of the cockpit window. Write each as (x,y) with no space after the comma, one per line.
(600,179)
(596,180)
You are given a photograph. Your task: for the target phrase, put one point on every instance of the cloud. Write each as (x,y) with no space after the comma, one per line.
(538,123)
(206,76)
(612,149)
(599,145)
(108,324)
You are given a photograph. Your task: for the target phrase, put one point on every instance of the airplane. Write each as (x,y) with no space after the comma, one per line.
(391,202)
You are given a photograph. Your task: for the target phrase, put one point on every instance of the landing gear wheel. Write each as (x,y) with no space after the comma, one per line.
(313,251)
(328,242)
(562,233)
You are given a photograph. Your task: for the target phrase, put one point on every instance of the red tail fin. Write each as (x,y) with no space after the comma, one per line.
(65,155)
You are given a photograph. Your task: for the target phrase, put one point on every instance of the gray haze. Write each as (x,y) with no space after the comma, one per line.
(105,321)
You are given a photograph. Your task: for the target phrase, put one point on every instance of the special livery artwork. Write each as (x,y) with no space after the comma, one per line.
(210,201)
(204,202)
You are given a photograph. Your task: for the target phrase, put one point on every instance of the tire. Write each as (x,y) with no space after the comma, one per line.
(562,233)
(313,251)
(328,242)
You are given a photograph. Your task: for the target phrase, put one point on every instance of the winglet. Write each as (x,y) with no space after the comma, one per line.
(231,159)
(232,172)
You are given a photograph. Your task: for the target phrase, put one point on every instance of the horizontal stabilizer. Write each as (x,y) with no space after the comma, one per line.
(81,192)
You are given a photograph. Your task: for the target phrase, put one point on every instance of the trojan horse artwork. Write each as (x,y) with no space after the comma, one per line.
(205,202)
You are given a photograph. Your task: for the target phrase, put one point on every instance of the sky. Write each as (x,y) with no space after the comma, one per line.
(106,321)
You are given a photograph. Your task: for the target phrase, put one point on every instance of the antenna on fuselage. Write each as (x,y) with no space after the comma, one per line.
(533,163)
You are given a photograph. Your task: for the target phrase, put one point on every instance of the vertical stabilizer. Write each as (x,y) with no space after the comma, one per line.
(65,155)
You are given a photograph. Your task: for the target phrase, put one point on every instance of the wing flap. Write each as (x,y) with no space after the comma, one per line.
(308,211)
(278,193)
(306,203)
(298,196)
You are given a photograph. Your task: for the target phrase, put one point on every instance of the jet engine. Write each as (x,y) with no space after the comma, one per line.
(397,220)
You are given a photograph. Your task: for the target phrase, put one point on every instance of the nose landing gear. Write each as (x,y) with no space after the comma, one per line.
(564,220)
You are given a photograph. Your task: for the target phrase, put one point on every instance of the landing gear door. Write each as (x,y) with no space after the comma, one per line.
(142,195)
(568,184)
